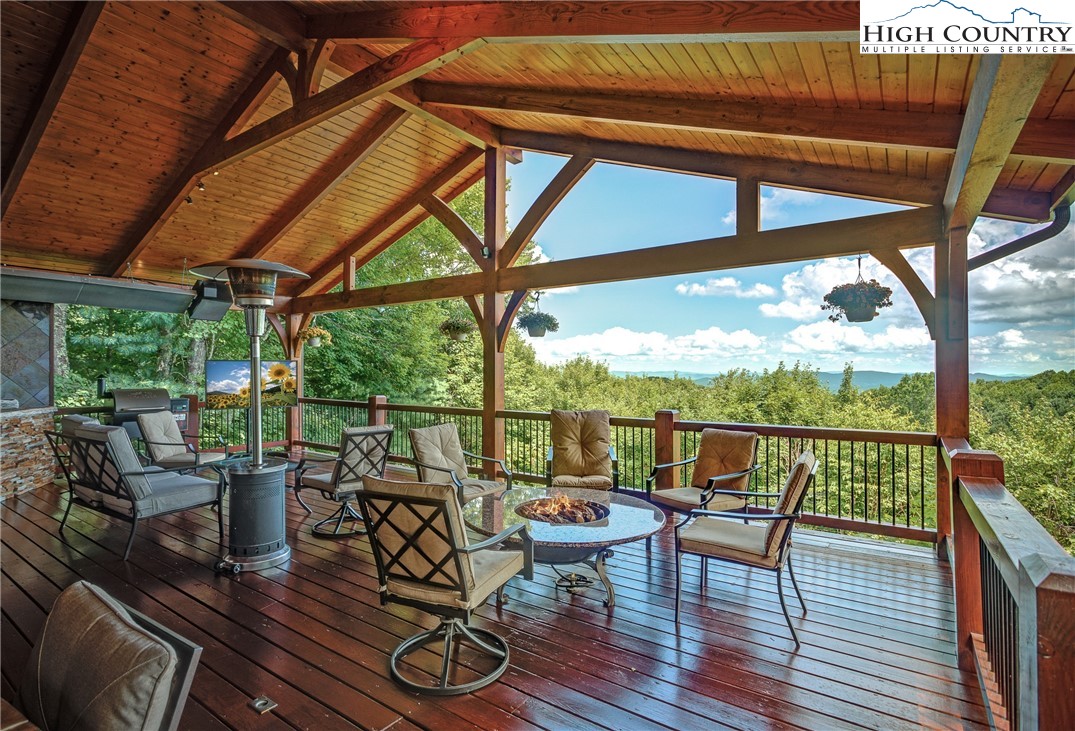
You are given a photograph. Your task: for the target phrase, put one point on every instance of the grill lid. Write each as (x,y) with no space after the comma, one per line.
(141,399)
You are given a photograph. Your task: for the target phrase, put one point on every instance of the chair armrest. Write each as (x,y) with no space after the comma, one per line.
(744,516)
(503,465)
(155,471)
(730,476)
(743,493)
(612,455)
(449,470)
(499,538)
(659,467)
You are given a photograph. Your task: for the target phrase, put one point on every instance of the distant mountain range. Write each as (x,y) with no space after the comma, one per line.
(863,380)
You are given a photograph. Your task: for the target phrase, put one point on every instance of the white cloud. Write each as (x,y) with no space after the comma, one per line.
(726,286)
(830,339)
(729,218)
(775,202)
(624,347)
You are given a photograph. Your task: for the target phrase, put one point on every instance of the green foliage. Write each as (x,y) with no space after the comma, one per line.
(859,295)
(535,319)
(456,326)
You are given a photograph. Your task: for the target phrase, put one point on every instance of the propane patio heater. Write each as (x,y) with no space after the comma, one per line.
(256,529)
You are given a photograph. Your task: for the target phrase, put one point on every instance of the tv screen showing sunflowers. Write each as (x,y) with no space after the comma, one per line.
(227,384)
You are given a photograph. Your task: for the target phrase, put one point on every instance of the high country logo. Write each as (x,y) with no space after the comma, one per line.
(991,26)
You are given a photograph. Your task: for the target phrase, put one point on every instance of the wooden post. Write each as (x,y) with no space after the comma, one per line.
(493,309)
(293,350)
(194,419)
(375,414)
(952,359)
(1046,643)
(349,271)
(747,206)
(666,447)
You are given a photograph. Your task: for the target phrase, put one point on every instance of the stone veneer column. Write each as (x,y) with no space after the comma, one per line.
(26,460)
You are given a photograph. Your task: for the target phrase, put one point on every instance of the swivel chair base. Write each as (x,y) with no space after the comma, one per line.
(451,632)
(345,513)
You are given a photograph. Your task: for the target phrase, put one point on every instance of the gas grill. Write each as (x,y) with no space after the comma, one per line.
(130,402)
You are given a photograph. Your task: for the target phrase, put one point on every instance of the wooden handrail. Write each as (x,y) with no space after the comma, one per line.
(924,439)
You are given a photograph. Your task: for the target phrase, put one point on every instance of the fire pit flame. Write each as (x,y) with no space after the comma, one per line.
(562,509)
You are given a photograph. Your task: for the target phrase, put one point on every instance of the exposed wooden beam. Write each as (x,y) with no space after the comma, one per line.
(495,234)
(352,153)
(747,206)
(543,205)
(906,190)
(1004,91)
(382,224)
(278,22)
(244,107)
(511,309)
(526,21)
(312,64)
(427,290)
(872,127)
(902,229)
(923,298)
(359,88)
(72,42)
(459,228)
(917,227)
(458,122)
(1018,205)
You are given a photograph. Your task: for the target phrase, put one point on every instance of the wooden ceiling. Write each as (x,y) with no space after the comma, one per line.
(310,132)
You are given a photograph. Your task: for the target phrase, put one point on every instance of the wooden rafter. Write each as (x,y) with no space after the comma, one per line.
(172,196)
(382,224)
(1047,140)
(352,153)
(359,88)
(1004,91)
(889,187)
(902,229)
(311,69)
(467,237)
(570,174)
(458,122)
(277,21)
(76,34)
(524,21)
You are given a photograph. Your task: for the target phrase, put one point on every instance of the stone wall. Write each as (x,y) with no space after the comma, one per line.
(26,355)
(26,459)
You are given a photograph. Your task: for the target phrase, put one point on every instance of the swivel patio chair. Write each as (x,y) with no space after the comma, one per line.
(440,458)
(710,534)
(726,460)
(99,664)
(363,451)
(424,560)
(167,446)
(104,474)
(581,455)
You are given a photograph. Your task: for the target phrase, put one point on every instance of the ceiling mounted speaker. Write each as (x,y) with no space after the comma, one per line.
(212,300)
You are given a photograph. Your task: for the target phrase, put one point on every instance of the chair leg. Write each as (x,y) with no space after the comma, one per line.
(70,502)
(130,538)
(344,513)
(679,579)
(451,632)
(795,584)
(784,606)
(298,489)
(220,521)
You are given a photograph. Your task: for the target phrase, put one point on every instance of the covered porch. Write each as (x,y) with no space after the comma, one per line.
(319,134)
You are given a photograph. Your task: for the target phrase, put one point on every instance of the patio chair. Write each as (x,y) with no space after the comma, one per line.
(363,451)
(424,560)
(104,474)
(581,455)
(99,664)
(440,458)
(708,533)
(726,459)
(168,447)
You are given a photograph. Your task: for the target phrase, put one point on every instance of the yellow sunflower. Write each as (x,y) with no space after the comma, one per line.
(278,371)
(289,384)
(244,391)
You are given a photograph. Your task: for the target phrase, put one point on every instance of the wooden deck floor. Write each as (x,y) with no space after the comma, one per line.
(878,642)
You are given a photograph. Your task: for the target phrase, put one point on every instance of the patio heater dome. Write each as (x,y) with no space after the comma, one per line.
(253,281)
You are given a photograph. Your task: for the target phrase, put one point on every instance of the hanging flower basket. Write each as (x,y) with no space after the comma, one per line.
(457,328)
(315,336)
(858,301)
(537,323)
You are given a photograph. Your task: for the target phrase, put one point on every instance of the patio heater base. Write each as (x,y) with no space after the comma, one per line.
(256,526)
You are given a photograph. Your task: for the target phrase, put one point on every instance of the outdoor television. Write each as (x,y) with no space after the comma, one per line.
(227,383)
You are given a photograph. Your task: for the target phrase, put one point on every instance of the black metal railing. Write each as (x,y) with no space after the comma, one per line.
(1000,624)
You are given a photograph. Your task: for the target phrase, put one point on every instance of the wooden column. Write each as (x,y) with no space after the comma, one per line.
(493,310)
(952,359)
(1046,642)
(666,447)
(747,206)
(375,413)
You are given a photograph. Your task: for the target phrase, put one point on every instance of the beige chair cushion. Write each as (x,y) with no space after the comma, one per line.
(580,442)
(798,477)
(94,668)
(723,452)
(492,569)
(584,482)
(685,499)
(473,488)
(728,539)
(439,446)
(158,427)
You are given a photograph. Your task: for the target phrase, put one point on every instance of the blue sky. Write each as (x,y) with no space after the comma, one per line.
(1022,307)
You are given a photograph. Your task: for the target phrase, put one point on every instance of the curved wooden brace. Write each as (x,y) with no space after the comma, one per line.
(475,307)
(312,65)
(511,309)
(923,298)
(554,192)
(458,228)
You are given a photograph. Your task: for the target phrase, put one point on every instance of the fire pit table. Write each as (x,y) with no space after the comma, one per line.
(612,518)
